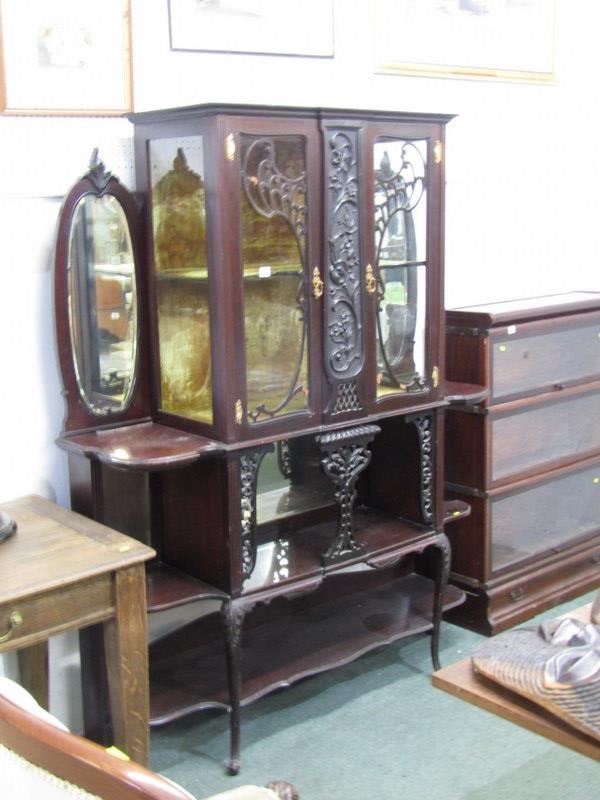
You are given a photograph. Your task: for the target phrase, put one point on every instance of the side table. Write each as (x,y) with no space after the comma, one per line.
(62,571)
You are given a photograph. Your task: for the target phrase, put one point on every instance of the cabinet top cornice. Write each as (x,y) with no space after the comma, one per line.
(215,109)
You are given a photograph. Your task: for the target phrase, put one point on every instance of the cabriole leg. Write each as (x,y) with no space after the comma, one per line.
(442,558)
(233,618)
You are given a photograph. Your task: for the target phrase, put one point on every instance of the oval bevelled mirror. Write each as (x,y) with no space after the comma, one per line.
(97,294)
(102,303)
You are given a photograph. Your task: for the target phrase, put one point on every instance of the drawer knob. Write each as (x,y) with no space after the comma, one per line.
(596,558)
(15,621)
(516,595)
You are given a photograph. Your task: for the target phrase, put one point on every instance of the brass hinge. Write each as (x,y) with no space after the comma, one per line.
(371,281)
(435,377)
(438,152)
(229,147)
(317,284)
(239,412)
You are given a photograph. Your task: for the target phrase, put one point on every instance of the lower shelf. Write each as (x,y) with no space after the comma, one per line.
(287,641)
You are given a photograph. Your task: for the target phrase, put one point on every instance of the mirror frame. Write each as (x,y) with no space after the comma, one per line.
(97,182)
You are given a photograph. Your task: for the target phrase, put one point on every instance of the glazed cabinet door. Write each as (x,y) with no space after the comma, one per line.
(274,180)
(403,273)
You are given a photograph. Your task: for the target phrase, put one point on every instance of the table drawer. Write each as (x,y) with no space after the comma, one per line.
(31,619)
(522,365)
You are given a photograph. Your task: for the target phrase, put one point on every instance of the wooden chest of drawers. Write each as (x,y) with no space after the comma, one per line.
(527,459)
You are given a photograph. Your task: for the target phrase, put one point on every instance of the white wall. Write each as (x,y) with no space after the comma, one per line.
(522,165)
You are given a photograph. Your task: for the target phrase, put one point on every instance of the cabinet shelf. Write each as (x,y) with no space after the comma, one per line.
(262,272)
(455,510)
(143,446)
(182,275)
(465,393)
(188,670)
(168,588)
(392,263)
(285,564)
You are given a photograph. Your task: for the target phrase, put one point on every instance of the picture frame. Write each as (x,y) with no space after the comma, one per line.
(260,27)
(65,57)
(505,40)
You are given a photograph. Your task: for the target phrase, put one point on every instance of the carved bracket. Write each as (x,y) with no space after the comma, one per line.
(345,456)
(424,424)
(249,465)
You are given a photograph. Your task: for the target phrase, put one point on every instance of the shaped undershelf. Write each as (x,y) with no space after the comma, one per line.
(143,446)
(297,638)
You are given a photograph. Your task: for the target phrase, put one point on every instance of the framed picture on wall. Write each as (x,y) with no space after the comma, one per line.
(272,27)
(65,57)
(493,39)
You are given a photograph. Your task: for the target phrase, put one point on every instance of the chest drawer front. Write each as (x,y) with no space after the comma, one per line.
(561,431)
(528,364)
(34,618)
(545,516)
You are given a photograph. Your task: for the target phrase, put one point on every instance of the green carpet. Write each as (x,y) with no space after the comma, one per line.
(376,728)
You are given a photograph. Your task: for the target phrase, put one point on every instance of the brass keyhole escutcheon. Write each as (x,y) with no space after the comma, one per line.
(371,281)
(239,412)
(317,284)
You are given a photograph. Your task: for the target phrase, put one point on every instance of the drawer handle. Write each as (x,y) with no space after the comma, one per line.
(516,595)
(15,621)
(596,558)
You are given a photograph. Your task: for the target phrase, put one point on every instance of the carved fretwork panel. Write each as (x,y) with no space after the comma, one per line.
(425,425)
(284,458)
(346,455)
(249,465)
(343,345)
(346,398)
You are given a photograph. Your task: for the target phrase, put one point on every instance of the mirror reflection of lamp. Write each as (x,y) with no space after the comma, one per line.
(7,526)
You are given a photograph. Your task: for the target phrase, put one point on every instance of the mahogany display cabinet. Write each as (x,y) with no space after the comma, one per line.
(527,458)
(270,418)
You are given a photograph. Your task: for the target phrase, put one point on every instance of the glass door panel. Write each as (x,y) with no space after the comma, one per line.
(543,517)
(400,206)
(181,276)
(401,330)
(274,241)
